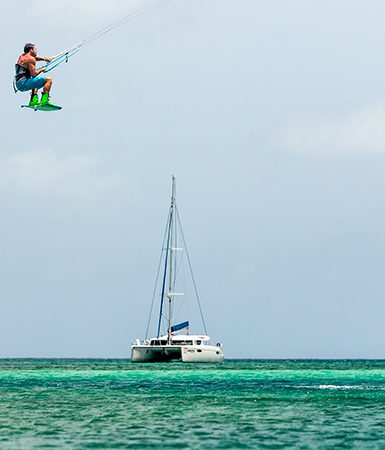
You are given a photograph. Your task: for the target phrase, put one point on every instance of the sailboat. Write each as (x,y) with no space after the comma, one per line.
(173,342)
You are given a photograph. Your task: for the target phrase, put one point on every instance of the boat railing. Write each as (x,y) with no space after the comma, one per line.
(140,342)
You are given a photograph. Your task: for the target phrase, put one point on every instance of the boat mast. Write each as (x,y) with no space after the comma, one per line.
(172,249)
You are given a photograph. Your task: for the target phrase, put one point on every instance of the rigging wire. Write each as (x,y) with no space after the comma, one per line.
(191,271)
(140,8)
(165,271)
(156,281)
(166,248)
(178,310)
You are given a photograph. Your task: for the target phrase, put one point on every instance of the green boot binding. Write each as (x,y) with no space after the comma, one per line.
(45,100)
(34,100)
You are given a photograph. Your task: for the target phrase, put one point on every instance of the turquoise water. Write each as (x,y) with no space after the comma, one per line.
(82,404)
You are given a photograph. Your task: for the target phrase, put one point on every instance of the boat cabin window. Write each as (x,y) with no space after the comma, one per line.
(198,342)
(158,342)
(182,342)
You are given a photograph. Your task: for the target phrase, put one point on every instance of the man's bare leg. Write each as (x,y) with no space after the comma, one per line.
(47,86)
(45,94)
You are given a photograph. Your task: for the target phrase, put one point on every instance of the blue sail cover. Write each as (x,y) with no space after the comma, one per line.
(179,327)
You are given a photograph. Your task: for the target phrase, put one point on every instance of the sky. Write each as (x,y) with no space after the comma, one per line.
(271,116)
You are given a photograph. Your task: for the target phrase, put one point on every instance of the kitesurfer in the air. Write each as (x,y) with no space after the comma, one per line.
(28,78)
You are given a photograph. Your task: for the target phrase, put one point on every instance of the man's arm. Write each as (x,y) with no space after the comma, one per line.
(40,58)
(32,68)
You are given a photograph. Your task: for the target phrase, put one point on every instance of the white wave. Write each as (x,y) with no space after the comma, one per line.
(343,387)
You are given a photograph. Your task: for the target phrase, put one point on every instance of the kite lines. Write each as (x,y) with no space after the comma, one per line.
(139,8)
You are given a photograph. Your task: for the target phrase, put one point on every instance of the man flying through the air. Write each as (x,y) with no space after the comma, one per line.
(28,78)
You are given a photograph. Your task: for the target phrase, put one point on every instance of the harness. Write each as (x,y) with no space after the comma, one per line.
(20,72)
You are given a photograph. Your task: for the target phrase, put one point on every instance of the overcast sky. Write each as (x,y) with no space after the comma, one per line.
(271,115)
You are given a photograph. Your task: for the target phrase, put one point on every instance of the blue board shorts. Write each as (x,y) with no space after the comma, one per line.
(27,84)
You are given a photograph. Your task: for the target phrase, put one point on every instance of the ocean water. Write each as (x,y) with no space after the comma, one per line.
(84,404)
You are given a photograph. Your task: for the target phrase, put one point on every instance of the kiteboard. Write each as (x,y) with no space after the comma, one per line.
(43,107)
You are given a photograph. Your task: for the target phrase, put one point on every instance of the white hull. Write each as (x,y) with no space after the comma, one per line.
(184,353)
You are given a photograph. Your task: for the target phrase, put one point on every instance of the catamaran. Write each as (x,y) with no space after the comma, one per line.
(173,342)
